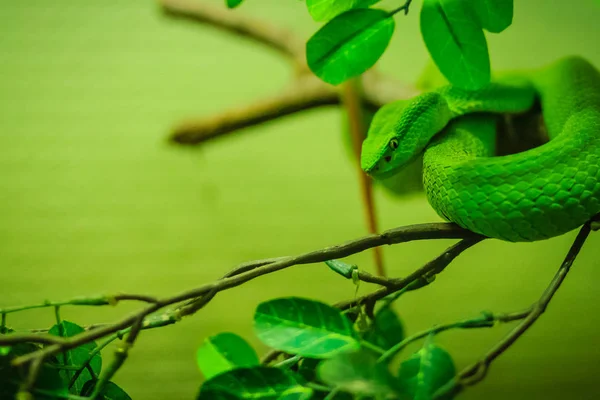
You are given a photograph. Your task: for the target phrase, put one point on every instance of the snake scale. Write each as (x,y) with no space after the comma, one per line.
(531,195)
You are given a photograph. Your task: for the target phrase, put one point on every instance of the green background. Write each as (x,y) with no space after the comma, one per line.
(93,200)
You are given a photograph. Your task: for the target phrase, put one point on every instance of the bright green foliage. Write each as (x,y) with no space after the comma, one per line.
(426,371)
(77,356)
(324,10)
(224,352)
(48,379)
(494,15)
(386,330)
(456,42)
(233,3)
(341,268)
(110,391)
(258,383)
(305,327)
(357,373)
(349,44)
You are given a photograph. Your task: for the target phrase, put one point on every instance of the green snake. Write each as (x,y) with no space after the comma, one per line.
(539,193)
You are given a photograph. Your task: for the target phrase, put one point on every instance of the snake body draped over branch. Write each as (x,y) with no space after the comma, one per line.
(535,194)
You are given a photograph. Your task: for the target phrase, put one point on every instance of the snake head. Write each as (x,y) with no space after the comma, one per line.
(400,131)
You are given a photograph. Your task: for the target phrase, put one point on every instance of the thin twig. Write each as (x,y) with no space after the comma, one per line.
(82,301)
(357,124)
(235,22)
(474,373)
(392,236)
(428,270)
(307,93)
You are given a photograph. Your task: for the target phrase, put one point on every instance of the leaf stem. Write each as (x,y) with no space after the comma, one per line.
(288,362)
(404,8)
(373,347)
(486,321)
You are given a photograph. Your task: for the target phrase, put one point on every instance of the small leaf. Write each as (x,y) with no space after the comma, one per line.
(224,352)
(456,42)
(110,391)
(357,373)
(305,327)
(233,3)
(494,15)
(386,330)
(257,383)
(77,356)
(425,371)
(349,44)
(341,268)
(324,10)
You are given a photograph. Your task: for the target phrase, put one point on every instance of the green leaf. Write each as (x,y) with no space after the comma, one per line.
(357,373)
(110,391)
(386,330)
(305,327)
(224,352)
(494,15)
(456,42)
(425,371)
(48,380)
(341,268)
(77,356)
(233,3)
(349,44)
(324,10)
(257,383)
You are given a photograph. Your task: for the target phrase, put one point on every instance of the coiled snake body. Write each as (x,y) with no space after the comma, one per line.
(532,195)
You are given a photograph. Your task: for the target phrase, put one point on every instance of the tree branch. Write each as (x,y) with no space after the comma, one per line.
(262,32)
(145,319)
(306,93)
(252,271)
(358,125)
(474,373)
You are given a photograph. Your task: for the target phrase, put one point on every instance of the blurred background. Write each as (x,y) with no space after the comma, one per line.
(94,200)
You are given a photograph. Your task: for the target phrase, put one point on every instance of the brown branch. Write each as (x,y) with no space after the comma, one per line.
(262,32)
(392,236)
(306,93)
(476,372)
(378,90)
(352,101)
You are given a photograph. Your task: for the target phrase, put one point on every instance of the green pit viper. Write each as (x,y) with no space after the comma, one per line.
(531,195)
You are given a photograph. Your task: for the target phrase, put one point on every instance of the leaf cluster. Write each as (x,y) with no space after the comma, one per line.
(328,354)
(356,34)
(73,372)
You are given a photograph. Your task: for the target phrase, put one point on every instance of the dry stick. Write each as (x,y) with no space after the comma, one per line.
(474,373)
(351,98)
(306,93)
(392,236)
(262,32)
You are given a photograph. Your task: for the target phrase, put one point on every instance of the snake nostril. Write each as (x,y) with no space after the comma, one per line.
(388,158)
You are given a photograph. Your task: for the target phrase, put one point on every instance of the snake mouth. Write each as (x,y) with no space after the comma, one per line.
(377,173)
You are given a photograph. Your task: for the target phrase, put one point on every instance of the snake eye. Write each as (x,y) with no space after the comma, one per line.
(394,144)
